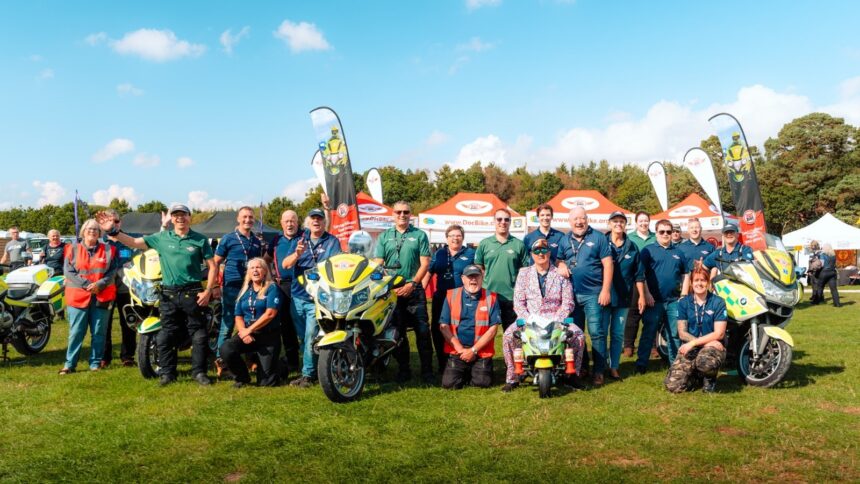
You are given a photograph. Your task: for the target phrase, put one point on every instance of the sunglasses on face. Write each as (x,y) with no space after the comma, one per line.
(503,219)
(664,232)
(402,212)
(540,251)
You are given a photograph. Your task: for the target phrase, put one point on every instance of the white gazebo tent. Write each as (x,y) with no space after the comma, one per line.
(826,230)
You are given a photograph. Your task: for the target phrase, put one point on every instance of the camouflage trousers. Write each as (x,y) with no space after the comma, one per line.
(688,370)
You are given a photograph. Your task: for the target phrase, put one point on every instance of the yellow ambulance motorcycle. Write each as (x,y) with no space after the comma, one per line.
(354,299)
(142,276)
(760,297)
(30,298)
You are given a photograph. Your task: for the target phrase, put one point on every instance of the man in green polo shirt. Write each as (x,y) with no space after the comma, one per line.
(502,256)
(406,250)
(182,253)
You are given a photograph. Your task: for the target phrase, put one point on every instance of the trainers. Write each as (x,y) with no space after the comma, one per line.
(202,379)
(302,382)
(613,374)
(165,380)
(509,386)
(709,385)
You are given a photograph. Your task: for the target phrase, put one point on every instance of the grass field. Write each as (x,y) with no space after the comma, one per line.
(115,426)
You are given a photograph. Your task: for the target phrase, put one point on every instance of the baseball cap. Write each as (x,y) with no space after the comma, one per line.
(316,212)
(730,227)
(472,270)
(178,207)
(617,213)
(676,227)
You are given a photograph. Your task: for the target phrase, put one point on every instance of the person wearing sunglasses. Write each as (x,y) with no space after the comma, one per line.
(405,250)
(545,231)
(182,253)
(541,289)
(667,277)
(501,256)
(447,265)
(585,257)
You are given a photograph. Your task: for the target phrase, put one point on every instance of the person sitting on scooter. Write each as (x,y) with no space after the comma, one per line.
(702,322)
(731,251)
(257,327)
(540,289)
(468,323)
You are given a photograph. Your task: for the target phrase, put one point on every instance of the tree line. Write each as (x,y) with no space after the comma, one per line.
(812,167)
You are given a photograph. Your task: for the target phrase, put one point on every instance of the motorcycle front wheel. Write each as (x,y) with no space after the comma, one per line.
(544,382)
(30,344)
(147,355)
(771,366)
(341,373)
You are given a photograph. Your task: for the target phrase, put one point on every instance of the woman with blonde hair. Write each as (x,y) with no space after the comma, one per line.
(827,275)
(257,327)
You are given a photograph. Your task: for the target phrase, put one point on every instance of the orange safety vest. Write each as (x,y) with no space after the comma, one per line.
(482,318)
(91,269)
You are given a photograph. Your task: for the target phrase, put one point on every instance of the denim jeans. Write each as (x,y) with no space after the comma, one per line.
(94,318)
(229,294)
(617,323)
(665,312)
(588,313)
(305,321)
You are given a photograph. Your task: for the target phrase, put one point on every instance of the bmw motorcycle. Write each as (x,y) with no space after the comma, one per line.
(30,298)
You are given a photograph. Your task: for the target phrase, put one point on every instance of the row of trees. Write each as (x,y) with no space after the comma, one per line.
(810,168)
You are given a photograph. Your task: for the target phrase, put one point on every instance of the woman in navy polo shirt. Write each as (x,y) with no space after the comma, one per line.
(257,327)
(701,326)
(447,265)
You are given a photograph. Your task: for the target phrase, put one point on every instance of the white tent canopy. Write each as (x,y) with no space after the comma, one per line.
(826,230)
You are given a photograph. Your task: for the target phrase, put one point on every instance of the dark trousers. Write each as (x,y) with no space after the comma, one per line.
(458,373)
(435,333)
(812,279)
(290,341)
(412,311)
(267,347)
(180,315)
(829,278)
(506,308)
(631,327)
(129,336)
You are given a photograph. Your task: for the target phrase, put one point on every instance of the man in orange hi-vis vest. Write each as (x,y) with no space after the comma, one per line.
(469,321)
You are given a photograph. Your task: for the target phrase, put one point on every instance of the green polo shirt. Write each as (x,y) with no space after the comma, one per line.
(502,262)
(181,258)
(639,241)
(413,245)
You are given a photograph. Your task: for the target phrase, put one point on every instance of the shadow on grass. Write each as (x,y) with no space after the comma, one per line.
(803,375)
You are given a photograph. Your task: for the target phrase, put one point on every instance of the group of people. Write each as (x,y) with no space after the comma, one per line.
(822,272)
(607,283)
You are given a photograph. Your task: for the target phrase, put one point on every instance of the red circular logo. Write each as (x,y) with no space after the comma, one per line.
(749,217)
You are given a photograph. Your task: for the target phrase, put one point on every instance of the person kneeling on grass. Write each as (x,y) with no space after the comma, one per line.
(257,328)
(702,326)
(470,316)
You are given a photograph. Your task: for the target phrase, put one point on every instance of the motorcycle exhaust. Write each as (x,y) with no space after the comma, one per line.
(518,361)
(569,366)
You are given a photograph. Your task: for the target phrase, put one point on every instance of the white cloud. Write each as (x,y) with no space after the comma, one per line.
(36,58)
(297,190)
(476,4)
(146,160)
(228,40)
(487,149)
(46,74)
(50,193)
(475,44)
(96,39)
(184,162)
(104,197)
(156,45)
(128,89)
(436,138)
(301,36)
(113,149)
(199,200)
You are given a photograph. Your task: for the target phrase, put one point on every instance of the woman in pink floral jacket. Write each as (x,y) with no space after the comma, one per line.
(540,289)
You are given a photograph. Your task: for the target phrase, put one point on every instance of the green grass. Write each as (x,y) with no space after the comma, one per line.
(115,426)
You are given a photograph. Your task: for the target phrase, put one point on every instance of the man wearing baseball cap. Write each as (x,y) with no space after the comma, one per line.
(731,251)
(182,253)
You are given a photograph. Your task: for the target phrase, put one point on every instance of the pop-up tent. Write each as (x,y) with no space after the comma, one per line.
(374,216)
(474,212)
(599,209)
(223,222)
(694,206)
(826,230)
(138,224)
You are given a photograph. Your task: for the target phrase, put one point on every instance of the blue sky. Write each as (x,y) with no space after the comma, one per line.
(207,102)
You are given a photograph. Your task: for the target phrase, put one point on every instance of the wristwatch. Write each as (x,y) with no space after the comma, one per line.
(414,284)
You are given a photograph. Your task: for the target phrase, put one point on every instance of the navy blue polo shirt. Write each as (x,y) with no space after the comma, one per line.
(251,308)
(583,259)
(627,271)
(721,258)
(54,257)
(700,319)
(315,252)
(694,252)
(281,247)
(554,239)
(237,250)
(449,268)
(664,271)
(466,327)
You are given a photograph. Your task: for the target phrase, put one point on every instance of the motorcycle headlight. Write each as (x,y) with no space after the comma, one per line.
(146,291)
(777,294)
(737,272)
(340,301)
(361,297)
(324,298)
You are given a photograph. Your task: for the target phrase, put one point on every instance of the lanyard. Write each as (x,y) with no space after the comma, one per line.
(239,238)
(699,315)
(449,273)
(251,306)
(576,246)
(314,249)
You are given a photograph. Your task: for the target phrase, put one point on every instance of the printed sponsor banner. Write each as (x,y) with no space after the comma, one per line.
(373,180)
(657,174)
(337,169)
(598,221)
